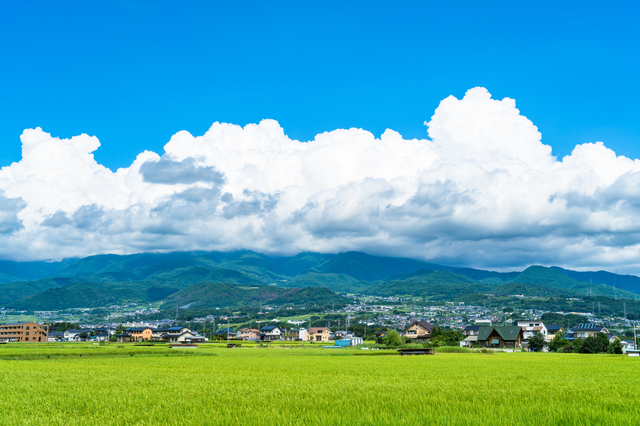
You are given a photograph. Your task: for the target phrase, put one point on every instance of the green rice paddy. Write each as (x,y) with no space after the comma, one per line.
(80,384)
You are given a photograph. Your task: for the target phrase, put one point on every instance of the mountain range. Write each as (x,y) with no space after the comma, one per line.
(246,278)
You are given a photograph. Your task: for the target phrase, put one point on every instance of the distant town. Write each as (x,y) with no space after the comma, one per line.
(365,318)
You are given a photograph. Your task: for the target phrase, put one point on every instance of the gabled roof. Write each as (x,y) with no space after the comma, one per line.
(509,333)
(317,329)
(471,327)
(423,324)
(588,326)
(269,328)
(553,327)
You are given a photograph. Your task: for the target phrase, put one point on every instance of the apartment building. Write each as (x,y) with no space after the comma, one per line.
(23,332)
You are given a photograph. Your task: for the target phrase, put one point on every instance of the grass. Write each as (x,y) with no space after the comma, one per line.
(294,385)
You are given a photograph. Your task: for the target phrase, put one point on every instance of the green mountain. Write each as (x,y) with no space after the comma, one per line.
(624,282)
(553,278)
(335,282)
(220,295)
(91,295)
(364,267)
(437,285)
(531,290)
(352,272)
(28,271)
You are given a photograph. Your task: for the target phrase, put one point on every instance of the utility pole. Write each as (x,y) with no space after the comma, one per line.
(635,339)
(625,309)
(227,331)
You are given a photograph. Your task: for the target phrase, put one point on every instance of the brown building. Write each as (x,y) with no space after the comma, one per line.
(419,331)
(503,336)
(23,332)
(319,334)
(140,334)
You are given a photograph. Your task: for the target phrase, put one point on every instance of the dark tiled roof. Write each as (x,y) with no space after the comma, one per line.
(269,328)
(472,327)
(588,326)
(553,327)
(509,333)
(424,325)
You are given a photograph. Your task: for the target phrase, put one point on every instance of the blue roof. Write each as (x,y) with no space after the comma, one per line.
(269,328)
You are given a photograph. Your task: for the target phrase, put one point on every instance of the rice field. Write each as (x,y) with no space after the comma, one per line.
(77,384)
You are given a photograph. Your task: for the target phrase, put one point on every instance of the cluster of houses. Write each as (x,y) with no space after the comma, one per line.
(487,336)
(275,333)
(169,334)
(517,336)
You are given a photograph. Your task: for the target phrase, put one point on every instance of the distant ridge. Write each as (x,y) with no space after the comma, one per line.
(147,277)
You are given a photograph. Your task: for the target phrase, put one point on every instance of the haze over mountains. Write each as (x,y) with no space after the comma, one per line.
(243,278)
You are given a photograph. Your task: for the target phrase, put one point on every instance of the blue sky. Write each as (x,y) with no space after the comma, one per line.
(478,187)
(134,73)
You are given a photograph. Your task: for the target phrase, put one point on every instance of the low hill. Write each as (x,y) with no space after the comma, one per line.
(221,275)
(28,271)
(364,267)
(310,296)
(438,285)
(335,282)
(531,290)
(552,277)
(18,290)
(221,295)
(91,295)
(624,282)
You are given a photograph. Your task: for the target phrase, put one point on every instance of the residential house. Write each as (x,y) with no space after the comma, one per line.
(23,332)
(627,345)
(167,333)
(123,337)
(553,330)
(186,337)
(249,334)
(55,336)
(271,332)
(140,334)
(501,336)
(584,330)
(224,333)
(76,335)
(298,334)
(100,337)
(319,334)
(419,331)
(471,330)
(531,327)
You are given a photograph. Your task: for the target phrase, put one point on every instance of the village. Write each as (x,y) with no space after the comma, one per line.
(482,330)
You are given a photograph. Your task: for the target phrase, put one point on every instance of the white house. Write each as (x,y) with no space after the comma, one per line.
(299,334)
(270,332)
(530,327)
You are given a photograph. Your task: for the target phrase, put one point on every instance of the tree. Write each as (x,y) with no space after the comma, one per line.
(443,337)
(536,343)
(393,339)
(558,342)
(595,344)
(615,347)
(577,345)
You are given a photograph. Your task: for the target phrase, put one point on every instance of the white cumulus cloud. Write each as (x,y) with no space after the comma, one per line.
(482,190)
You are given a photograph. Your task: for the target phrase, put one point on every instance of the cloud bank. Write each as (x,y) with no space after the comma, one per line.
(483,190)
